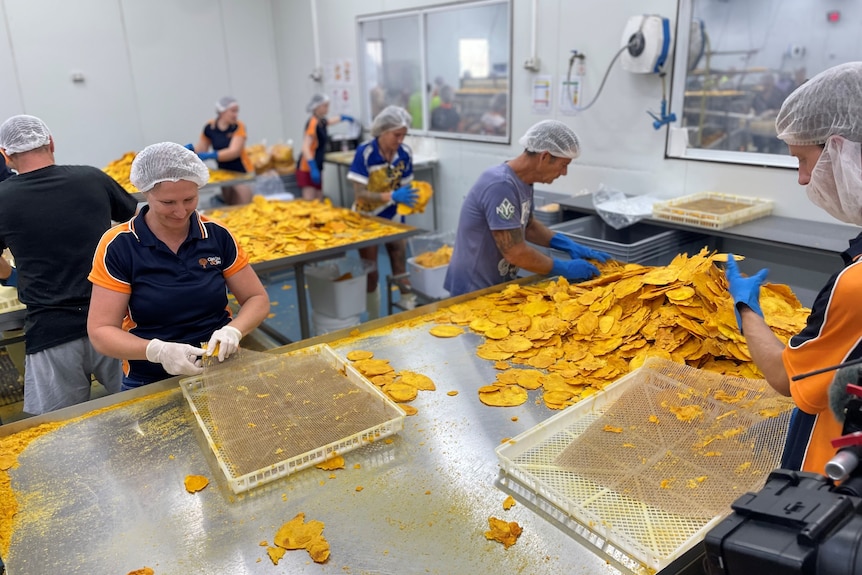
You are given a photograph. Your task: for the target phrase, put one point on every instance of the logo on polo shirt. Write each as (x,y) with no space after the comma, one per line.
(212,261)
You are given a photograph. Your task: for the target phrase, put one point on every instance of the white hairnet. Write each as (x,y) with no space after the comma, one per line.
(167,162)
(316,101)
(553,137)
(23,133)
(391,118)
(225,103)
(829,104)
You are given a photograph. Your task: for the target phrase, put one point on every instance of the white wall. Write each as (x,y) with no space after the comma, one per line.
(152,70)
(620,147)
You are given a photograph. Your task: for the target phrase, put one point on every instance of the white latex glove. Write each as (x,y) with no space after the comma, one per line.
(227,341)
(176,358)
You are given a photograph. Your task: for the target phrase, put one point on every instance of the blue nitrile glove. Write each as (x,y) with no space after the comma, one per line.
(744,290)
(346,118)
(208,155)
(565,244)
(576,269)
(189,147)
(12,280)
(314,170)
(405,195)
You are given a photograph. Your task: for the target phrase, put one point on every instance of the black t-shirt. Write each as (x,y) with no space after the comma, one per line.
(52,219)
(445,119)
(322,134)
(220,139)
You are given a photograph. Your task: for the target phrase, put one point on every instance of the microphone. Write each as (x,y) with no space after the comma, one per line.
(839,397)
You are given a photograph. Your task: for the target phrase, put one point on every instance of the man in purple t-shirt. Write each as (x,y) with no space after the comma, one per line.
(497,218)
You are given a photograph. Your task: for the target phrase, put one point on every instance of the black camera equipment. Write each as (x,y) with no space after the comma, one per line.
(802,523)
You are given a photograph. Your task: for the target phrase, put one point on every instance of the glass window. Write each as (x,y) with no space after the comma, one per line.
(735,63)
(459,54)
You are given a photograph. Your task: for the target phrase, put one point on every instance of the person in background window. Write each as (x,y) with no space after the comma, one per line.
(51,219)
(161,280)
(821,122)
(226,136)
(445,117)
(308,172)
(381,173)
(494,120)
(496,221)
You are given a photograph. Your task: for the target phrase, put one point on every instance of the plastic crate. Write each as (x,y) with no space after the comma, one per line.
(389,416)
(612,518)
(9,300)
(428,281)
(337,287)
(430,242)
(712,210)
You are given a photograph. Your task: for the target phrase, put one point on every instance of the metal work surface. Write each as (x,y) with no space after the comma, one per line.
(105,494)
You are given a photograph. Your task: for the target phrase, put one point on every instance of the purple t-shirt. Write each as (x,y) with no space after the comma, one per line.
(498,200)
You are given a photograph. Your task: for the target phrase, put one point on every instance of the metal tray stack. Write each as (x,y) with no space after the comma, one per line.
(640,243)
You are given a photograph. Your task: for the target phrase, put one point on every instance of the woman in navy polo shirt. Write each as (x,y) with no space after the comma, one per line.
(160,280)
(226,135)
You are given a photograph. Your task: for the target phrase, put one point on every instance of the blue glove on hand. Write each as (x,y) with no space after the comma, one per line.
(12,280)
(189,147)
(346,118)
(565,244)
(208,155)
(405,195)
(577,270)
(314,170)
(744,290)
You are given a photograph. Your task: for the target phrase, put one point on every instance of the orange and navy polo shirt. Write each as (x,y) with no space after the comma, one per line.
(178,297)
(317,129)
(833,334)
(220,139)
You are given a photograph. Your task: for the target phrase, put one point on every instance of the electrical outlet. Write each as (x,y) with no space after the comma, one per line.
(532,64)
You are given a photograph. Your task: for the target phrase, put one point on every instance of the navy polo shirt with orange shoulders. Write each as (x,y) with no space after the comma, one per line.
(832,335)
(177,297)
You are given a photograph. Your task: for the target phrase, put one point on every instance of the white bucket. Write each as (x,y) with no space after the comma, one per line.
(325,324)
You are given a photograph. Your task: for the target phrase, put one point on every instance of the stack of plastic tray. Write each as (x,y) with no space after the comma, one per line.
(641,243)
(712,210)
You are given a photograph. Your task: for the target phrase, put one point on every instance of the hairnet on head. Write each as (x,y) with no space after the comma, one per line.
(23,133)
(225,103)
(829,104)
(316,101)
(167,162)
(553,137)
(390,118)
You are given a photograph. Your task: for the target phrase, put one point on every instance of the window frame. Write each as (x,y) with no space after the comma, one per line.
(421,14)
(675,146)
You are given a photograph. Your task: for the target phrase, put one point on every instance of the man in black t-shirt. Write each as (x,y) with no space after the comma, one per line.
(51,219)
(5,172)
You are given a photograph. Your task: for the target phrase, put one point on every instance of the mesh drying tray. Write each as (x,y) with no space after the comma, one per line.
(266,416)
(712,210)
(641,492)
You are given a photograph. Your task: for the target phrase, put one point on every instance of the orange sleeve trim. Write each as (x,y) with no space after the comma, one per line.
(100,275)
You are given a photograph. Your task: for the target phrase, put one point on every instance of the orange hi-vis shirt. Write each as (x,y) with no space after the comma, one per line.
(833,335)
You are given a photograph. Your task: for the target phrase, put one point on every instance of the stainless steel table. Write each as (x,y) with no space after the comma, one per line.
(105,494)
(298,262)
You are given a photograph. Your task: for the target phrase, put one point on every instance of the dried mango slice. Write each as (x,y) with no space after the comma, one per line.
(195,483)
(332,464)
(506,532)
(358,354)
(401,392)
(509,396)
(445,331)
(417,380)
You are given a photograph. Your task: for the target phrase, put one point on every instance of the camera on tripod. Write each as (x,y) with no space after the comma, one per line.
(801,523)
